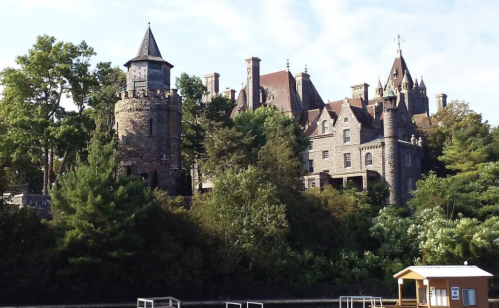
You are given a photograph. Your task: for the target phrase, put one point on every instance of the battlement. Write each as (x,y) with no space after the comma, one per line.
(161,94)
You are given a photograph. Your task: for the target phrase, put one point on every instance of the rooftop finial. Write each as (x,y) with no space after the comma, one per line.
(306,70)
(287,64)
(398,40)
(149,24)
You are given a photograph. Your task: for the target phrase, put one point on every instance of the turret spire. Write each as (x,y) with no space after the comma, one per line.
(148,50)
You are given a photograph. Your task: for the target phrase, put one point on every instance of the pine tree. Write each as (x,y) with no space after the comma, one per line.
(96,211)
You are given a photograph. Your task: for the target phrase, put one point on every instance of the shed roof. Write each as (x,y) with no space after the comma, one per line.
(444,271)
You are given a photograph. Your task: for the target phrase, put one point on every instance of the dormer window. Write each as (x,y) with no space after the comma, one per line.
(325,127)
(395,73)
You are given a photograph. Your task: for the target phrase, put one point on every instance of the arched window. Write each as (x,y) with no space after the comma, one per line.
(325,127)
(369,159)
(345,120)
(150,127)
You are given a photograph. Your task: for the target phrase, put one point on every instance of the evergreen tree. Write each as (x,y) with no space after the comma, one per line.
(96,210)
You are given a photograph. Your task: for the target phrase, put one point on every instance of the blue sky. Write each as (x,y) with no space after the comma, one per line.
(453,44)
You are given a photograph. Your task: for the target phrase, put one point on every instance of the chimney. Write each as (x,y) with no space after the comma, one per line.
(253,75)
(230,94)
(303,89)
(212,85)
(441,101)
(360,91)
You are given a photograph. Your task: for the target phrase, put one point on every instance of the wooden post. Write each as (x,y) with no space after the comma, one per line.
(400,294)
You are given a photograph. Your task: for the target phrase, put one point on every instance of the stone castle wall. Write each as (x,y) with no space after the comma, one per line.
(149,127)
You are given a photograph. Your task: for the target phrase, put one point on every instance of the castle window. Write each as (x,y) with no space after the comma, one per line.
(310,165)
(409,185)
(403,116)
(325,154)
(346,136)
(325,127)
(345,120)
(311,183)
(348,160)
(150,127)
(369,159)
(139,85)
(407,158)
(311,145)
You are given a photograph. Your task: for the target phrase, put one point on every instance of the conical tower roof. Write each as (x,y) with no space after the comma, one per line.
(379,84)
(422,85)
(406,77)
(148,50)
(398,70)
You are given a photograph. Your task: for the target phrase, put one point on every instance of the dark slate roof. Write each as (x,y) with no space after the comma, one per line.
(280,91)
(148,50)
(362,116)
(401,67)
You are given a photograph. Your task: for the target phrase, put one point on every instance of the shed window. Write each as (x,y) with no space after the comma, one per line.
(369,159)
(469,297)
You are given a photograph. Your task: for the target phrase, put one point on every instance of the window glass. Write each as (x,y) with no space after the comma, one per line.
(409,185)
(325,127)
(310,165)
(469,297)
(311,183)
(369,159)
(345,120)
(311,145)
(325,154)
(346,136)
(407,158)
(139,85)
(348,160)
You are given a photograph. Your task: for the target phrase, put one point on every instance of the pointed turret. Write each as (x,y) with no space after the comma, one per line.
(148,71)
(422,85)
(378,91)
(148,50)
(416,85)
(405,81)
(398,70)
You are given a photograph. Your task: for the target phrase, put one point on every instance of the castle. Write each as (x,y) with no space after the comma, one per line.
(148,119)
(360,140)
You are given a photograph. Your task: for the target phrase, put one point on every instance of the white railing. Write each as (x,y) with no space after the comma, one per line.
(158,302)
(372,301)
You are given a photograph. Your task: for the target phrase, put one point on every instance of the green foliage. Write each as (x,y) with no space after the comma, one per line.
(245,214)
(95,212)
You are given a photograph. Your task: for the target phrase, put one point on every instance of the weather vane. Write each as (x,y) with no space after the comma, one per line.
(398,39)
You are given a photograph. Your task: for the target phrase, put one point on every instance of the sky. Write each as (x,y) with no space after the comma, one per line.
(453,44)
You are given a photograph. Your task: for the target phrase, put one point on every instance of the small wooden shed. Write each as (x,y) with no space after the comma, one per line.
(451,286)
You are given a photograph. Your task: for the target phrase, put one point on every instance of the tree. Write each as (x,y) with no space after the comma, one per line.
(33,94)
(96,211)
(245,214)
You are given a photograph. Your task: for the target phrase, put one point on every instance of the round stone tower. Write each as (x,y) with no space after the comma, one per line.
(148,120)
(392,155)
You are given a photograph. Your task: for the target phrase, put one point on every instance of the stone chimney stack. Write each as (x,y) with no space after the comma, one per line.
(253,75)
(230,94)
(212,85)
(360,91)
(441,101)
(392,155)
(303,89)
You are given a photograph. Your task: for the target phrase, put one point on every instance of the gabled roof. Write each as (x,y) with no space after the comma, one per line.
(401,67)
(148,50)
(444,271)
